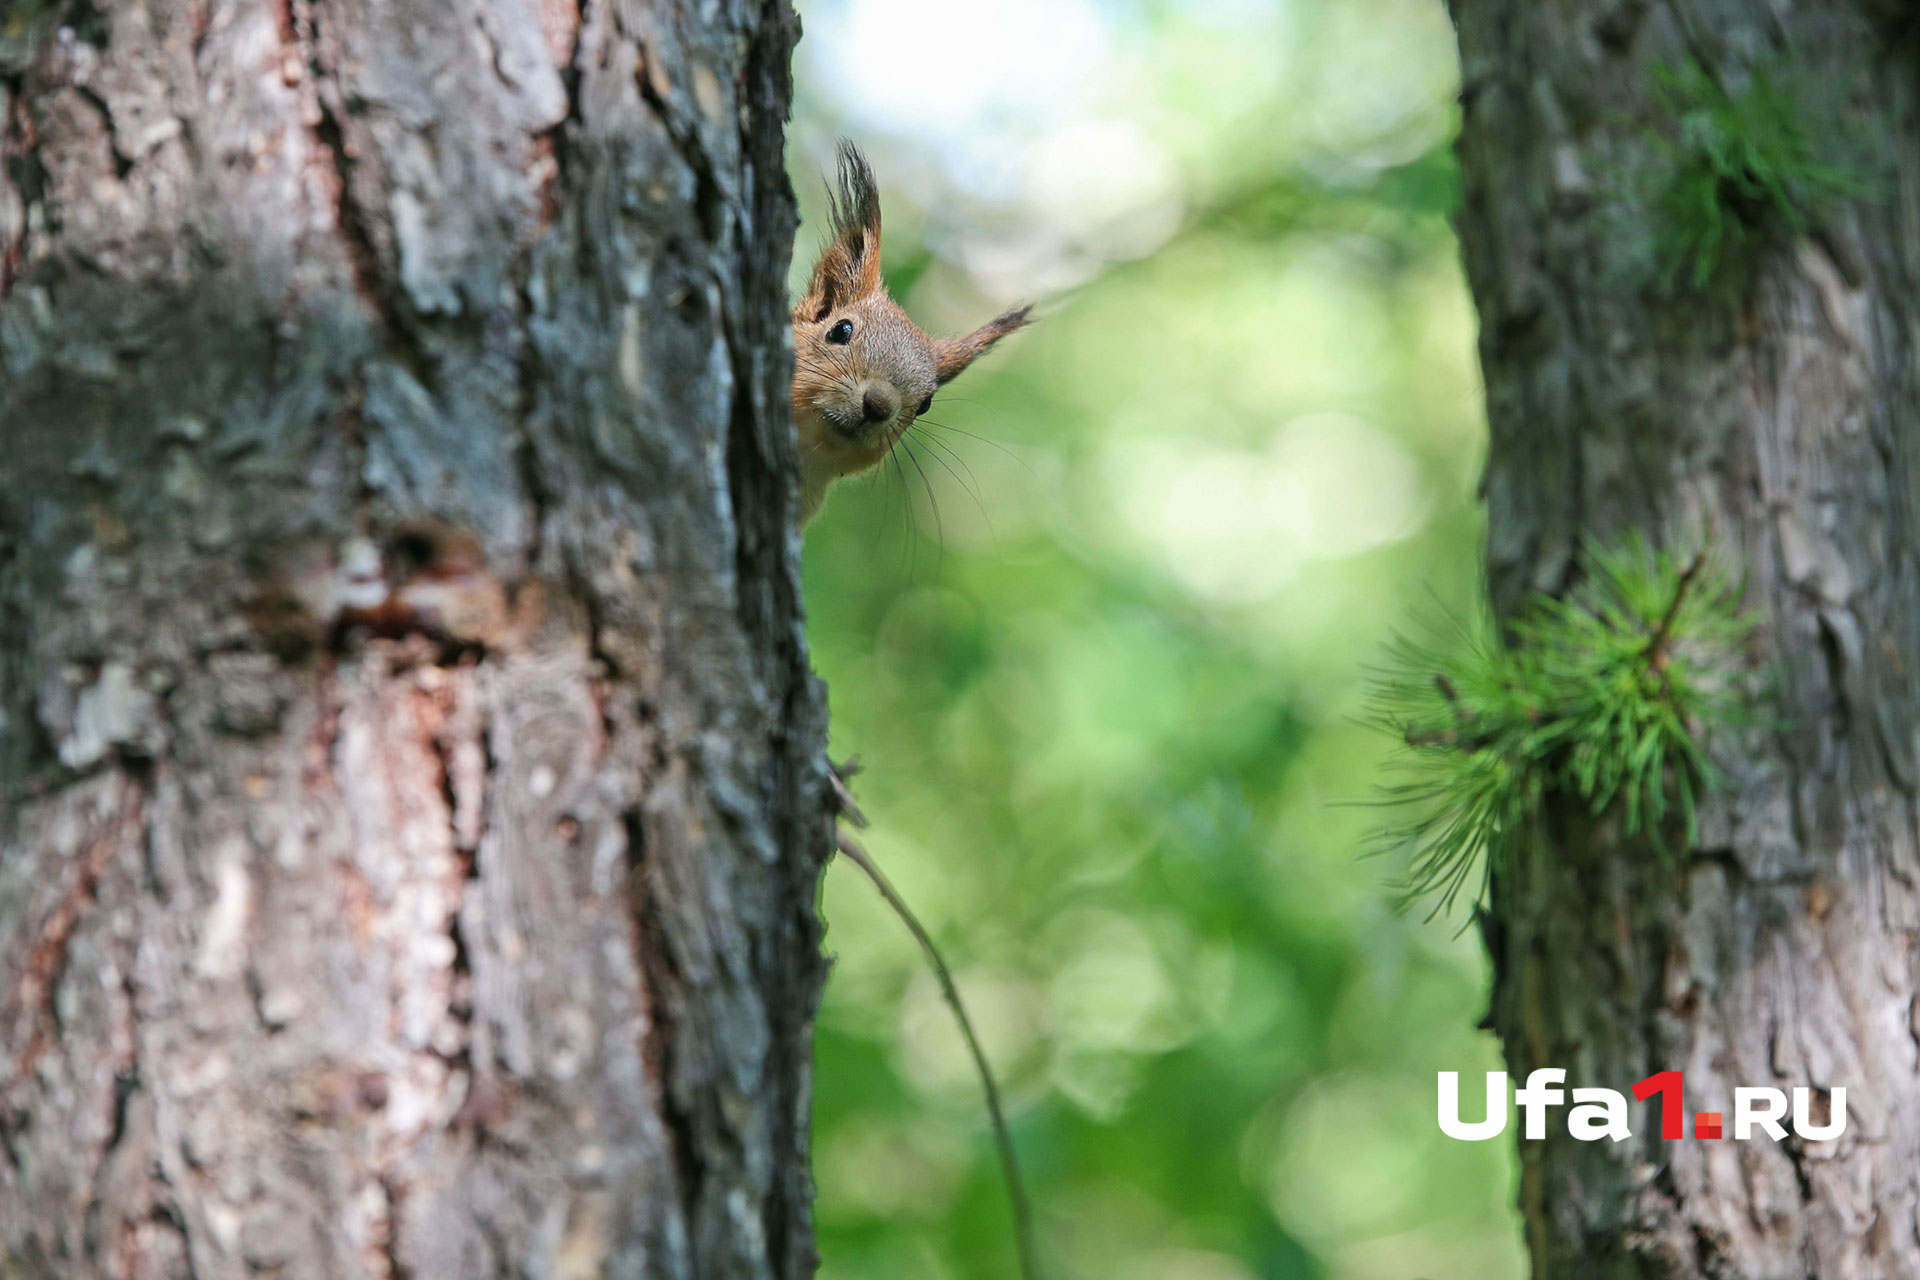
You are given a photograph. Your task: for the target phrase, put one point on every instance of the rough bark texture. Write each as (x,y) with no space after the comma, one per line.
(412,774)
(1779,416)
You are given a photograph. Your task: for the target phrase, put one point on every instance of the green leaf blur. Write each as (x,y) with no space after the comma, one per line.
(1101,643)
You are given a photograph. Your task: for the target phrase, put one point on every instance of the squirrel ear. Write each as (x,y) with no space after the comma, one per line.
(849,267)
(952,355)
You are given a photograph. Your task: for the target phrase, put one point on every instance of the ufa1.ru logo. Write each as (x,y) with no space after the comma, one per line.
(1603,1113)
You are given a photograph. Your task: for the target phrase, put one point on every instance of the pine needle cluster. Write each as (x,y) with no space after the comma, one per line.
(1604,694)
(1740,169)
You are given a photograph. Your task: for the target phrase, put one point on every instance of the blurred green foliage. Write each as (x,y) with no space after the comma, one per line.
(1108,696)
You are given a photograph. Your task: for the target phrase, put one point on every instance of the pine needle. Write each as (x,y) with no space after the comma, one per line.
(1603,694)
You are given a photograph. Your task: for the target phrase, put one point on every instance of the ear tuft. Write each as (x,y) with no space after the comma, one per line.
(953,355)
(855,208)
(849,266)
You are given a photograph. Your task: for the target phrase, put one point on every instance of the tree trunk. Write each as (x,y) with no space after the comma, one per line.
(1779,418)
(412,771)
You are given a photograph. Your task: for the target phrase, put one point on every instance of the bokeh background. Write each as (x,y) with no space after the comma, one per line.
(1101,640)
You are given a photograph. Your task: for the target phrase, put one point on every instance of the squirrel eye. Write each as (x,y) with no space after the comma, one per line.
(841,334)
(924,406)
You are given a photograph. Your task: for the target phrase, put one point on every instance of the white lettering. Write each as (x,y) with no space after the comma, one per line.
(1480,1130)
(1602,1113)
(1537,1095)
(1803,1116)
(1748,1110)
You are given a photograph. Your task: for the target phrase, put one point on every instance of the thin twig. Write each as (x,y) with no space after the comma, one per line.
(1002,1136)
(1462,738)
(1655,653)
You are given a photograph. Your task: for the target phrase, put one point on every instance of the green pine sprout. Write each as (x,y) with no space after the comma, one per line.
(1604,695)
(1740,169)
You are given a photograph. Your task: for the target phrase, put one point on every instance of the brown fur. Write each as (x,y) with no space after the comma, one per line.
(889,362)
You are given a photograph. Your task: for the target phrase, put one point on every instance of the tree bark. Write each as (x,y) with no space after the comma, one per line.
(1781,421)
(412,772)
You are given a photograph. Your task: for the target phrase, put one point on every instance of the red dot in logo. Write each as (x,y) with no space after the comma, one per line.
(1706,1124)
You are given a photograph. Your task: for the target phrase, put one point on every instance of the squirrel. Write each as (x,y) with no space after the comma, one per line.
(862,371)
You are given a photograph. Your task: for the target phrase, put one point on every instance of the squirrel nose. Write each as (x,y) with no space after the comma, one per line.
(878,404)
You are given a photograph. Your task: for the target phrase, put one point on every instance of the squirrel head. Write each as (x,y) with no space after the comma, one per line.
(863,372)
